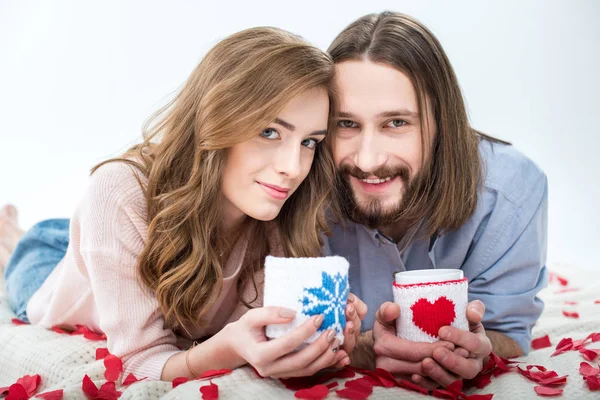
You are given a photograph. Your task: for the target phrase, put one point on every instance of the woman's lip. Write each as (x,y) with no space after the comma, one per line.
(275,187)
(274,192)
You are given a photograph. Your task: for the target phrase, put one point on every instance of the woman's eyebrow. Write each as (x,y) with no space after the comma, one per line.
(292,128)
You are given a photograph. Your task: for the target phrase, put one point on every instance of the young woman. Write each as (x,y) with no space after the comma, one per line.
(171,237)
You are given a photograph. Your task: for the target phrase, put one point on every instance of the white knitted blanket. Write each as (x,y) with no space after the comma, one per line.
(63,360)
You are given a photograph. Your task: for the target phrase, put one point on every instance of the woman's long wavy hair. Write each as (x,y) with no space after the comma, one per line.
(240,86)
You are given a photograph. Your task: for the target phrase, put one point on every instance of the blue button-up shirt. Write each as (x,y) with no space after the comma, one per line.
(501,248)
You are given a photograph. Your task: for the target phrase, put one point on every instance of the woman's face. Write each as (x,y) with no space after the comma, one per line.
(263,172)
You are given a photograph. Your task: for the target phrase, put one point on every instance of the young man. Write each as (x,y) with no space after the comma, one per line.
(422,189)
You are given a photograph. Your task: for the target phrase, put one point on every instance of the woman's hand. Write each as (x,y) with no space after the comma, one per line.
(356,310)
(277,358)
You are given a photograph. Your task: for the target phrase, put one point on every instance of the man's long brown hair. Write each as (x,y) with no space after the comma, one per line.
(240,86)
(445,193)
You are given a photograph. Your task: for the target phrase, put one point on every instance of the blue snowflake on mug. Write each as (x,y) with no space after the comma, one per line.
(329,299)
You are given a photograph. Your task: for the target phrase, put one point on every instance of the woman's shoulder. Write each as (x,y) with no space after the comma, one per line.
(118,182)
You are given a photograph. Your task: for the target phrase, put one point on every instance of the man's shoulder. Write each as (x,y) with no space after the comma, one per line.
(509,172)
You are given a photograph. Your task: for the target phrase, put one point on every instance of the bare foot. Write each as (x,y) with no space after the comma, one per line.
(9,233)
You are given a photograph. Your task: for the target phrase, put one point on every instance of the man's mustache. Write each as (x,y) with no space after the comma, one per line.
(381,173)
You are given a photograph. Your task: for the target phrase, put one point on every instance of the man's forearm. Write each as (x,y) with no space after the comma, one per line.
(503,345)
(363,355)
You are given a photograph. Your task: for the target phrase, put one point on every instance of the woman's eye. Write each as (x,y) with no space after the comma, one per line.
(345,123)
(310,143)
(270,134)
(396,123)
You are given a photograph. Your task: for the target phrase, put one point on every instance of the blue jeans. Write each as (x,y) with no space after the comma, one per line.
(34,258)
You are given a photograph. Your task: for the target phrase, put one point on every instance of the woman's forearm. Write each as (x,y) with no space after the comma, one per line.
(214,353)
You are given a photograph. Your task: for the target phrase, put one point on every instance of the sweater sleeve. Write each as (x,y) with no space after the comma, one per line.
(113,233)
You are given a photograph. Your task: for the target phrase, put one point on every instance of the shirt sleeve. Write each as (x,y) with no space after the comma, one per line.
(510,267)
(113,230)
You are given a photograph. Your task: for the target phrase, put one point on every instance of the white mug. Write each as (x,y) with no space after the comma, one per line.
(428,300)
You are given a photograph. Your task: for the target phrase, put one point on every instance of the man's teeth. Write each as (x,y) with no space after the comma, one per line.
(376,181)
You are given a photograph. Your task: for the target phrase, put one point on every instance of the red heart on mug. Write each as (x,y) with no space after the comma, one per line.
(430,317)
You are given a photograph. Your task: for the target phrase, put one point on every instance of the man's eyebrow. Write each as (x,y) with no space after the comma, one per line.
(292,128)
(403,112)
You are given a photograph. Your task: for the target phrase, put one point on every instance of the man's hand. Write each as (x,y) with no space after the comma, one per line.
(403,358)
(466,361)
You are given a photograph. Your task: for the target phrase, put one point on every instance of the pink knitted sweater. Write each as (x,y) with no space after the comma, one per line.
(96,283)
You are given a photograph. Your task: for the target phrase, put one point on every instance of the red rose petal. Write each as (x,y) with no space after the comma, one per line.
(332,385)
(570,314)
(53,395)
(456,387)
(412,386)
(94,336)
(541,343)
(589,354)
(554,381)
(16,391)
(108,392)
(361,385)
(30,383)
(594,336)
(597,302)
(593,383)
(444,394)
(351,394)
(316,392)
(60,330)
(564,345)
(17,321)
(310,381)
(480,381)
(101,352)
(501,363)
(480,397)
(540,367)
(89,387)
(213,373)
(210,392)
(131,379)
(178,381)
(114,367)
(386,378)
(586,369)
(546,391)
(568,290)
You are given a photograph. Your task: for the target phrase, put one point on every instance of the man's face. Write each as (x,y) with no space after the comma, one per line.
(378,148)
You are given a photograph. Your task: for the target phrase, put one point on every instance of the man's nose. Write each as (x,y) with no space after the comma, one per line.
(370,155)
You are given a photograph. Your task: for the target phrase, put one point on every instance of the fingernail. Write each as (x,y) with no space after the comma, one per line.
(319,320)
(476,310)
(287,313)
(445,333)
(351,297)
(384,307)
(335,346)
(351,310)
(330,335)
(346,362)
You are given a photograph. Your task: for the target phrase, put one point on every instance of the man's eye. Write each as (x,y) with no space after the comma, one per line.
(270,134)
(396,123)
(345,123)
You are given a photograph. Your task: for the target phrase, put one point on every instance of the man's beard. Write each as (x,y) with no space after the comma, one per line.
(372,214)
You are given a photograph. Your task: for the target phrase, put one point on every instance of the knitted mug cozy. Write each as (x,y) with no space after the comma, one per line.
(426,307)
(310,286)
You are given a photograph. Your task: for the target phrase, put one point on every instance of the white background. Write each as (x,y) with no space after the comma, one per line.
(78,79)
